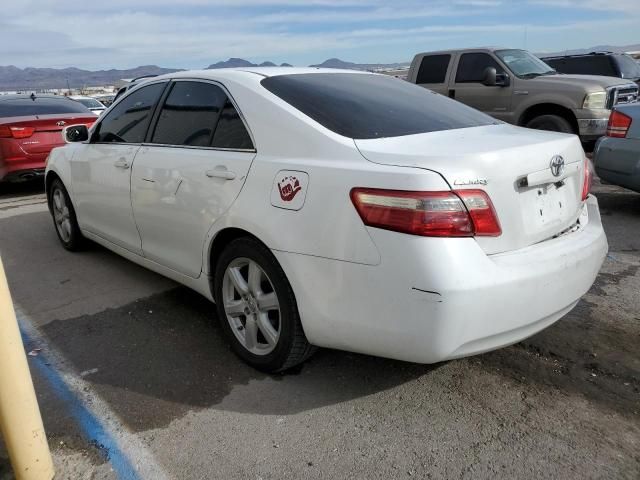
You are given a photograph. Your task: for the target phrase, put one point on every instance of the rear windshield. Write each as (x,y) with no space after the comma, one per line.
(363,106)
(21,107)
(89,102)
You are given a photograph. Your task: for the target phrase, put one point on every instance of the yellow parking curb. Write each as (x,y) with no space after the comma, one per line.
(20,420)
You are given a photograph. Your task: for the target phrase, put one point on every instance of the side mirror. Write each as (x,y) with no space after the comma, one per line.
(489,77)
(75,133)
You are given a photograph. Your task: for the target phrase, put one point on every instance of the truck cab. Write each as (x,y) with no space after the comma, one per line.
(517,87)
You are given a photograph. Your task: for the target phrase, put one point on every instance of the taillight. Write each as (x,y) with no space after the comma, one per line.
(11,131)
(618,125)
(458,213)
(587,181)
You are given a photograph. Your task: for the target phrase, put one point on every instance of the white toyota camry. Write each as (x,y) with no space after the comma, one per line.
(336,209)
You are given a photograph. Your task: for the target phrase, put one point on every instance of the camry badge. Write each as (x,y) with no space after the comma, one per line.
(557,165)
(61,123)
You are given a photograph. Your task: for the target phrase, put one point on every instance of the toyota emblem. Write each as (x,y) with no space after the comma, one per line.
(557,165)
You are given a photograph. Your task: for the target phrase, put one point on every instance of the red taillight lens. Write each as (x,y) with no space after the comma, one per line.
(587,178)
(463,213)
(618,125)
(10,131)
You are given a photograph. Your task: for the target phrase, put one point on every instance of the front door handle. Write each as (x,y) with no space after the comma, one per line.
(121,163)
(221,172)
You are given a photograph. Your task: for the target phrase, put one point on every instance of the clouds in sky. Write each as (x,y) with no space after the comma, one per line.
(195,33)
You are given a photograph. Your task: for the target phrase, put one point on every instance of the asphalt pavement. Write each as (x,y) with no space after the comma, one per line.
(135,380)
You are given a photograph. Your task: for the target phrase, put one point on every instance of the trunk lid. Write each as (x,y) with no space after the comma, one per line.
(47,129)
(511,164)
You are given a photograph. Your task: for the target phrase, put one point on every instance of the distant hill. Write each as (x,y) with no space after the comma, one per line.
(14,78)
(337,63)
(597,48)
(241,62)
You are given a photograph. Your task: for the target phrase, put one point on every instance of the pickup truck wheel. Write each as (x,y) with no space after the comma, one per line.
(553,123)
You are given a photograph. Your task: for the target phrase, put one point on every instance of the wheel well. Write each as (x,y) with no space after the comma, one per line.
(221,240)
(549,109)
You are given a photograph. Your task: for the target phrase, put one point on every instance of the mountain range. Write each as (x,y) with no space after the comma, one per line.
(14,78)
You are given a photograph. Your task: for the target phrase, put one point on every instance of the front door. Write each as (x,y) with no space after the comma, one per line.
(467,87)
(101,169)
(189,173)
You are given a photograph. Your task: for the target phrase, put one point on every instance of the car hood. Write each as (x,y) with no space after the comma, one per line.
(589,82)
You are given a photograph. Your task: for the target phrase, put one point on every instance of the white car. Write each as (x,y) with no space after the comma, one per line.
(337,209)
(91,103)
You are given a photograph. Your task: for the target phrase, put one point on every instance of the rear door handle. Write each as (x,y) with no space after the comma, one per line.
(121,163)
(221,172)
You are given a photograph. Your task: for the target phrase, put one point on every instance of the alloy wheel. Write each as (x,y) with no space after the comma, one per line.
(251,306)
(61,215)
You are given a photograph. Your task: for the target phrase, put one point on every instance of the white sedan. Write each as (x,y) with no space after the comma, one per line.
(337,209)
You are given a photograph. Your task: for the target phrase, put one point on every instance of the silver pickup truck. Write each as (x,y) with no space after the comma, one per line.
(517,87)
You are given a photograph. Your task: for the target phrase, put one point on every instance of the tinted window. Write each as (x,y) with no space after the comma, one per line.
(20,107)
(129,119)
(371,106)
(472,65)
(433,69)
(587,65)
(231,132)
(628,67)
(189,114)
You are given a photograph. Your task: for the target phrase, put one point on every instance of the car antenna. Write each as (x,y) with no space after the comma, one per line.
(32,96)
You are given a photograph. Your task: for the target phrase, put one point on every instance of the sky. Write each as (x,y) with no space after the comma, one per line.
(107,34)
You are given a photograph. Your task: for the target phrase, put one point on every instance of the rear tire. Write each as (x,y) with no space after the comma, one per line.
(552,123)
(257,308)
(64,217)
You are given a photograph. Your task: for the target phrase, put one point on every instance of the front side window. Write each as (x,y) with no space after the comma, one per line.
(471,67)
(365,106)
(189,114)
(22,107)
(128,121)
(433,69)
(523,64)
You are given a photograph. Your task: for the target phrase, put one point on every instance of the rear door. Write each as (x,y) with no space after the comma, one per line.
(101,169)
(189,172)
(432,72)
(467,87)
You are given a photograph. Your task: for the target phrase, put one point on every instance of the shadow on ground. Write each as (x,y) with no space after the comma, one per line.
(169,347)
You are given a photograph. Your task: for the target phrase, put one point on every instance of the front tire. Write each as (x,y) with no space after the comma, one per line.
(552,123)
(257,308)
(64,217)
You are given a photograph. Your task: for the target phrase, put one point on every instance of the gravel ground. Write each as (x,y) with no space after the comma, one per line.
(563,404)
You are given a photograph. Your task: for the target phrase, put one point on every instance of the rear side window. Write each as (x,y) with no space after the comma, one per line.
(471,67)
(588,65)
(433,69)
(22,107)
(365,106)
(128,121)
(231,132)
(189,114)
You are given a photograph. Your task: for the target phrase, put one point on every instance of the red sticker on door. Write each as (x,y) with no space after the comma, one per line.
(289,189)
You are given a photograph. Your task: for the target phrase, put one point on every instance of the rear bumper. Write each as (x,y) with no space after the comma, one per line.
(617,160)
(435,299)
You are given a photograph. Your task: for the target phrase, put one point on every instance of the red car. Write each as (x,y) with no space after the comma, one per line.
(30,127)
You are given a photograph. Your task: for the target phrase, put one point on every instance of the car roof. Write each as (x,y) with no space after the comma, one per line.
(252,72)
(16,96)
(465,50)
